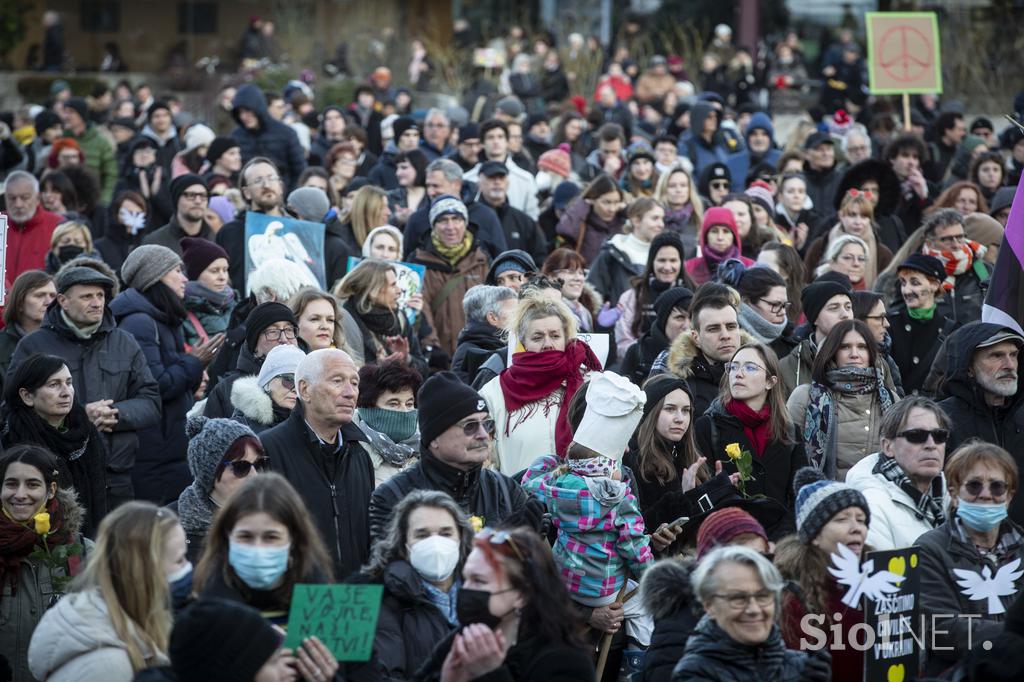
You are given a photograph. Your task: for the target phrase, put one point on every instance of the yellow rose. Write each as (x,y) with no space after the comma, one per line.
(477,522)
(42,520)
(733,450)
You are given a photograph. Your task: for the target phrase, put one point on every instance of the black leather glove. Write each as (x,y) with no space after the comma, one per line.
(818,667)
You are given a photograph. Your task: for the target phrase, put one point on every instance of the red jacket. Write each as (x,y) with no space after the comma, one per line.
(28,243)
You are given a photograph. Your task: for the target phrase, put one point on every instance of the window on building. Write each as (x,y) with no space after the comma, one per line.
(197,17)
(100,16)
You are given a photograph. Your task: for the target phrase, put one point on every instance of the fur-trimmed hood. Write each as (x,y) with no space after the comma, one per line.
(72,509)
(683,351)
(252,401)
(666,589)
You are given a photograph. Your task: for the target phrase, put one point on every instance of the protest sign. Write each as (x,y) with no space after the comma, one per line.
(410,281)
(3,257)
(343,617)
(894,618)
(904,55)
(269,237)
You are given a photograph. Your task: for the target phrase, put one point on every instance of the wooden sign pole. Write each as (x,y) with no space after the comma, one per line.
(906,111)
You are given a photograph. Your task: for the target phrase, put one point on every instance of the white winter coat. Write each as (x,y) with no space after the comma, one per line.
(531,429)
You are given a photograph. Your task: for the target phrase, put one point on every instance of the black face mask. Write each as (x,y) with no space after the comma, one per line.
(69,252)
(474,606)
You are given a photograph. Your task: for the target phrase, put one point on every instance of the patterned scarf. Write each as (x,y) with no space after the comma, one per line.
(820,429)
(452,254)
(957,261)
(929,504)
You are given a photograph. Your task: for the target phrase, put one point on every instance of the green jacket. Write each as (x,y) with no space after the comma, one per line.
(100,156)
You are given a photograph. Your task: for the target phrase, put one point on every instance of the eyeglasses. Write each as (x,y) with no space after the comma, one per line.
(470,428)
(850,258)
(719,184)
(867,194)
(975,486)
(777,306)
(876,317)
(920,436)
(739,600)
(952,239)
(240,468)
(287,381)
(747,367)
(276,334)
(195,196)
(266,180)
(501,539)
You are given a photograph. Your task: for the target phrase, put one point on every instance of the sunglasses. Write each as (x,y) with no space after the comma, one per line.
(470,428)
(920,436)
(287,381)
(240,468)
(503,540)
(719,184)
(974,487)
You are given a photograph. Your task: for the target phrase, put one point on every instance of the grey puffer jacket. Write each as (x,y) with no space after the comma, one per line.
(711,654)
(109,365)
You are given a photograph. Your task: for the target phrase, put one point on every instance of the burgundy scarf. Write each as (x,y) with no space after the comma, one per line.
(713,258)
(533,376)
(17,541)
(756,425)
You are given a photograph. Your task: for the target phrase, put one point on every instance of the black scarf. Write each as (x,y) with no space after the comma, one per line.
(70,443)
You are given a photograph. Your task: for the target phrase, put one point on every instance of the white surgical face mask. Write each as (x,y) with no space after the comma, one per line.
(434,558)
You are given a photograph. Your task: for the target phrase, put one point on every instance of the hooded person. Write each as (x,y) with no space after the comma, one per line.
(600,541)
(265,400)
(719,242)
(672,318)
(455,440)
(878,178)
(258,134)
(510,269)
(705,145)
(763,148)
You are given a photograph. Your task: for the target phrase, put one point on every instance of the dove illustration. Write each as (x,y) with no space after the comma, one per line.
(860,578)
(984,586)
(271,244)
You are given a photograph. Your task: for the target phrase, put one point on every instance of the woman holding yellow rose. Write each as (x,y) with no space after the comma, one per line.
(37,517)
(748,429)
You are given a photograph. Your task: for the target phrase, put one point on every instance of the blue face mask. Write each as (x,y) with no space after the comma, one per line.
(980,517)
(259,567)
(181,585)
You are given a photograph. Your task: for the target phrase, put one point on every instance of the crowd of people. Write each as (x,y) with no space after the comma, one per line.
(658,370)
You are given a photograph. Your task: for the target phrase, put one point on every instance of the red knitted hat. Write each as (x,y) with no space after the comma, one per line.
(720,527)
(556,161)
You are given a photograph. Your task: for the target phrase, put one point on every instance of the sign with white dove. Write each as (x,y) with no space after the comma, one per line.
(268,237)
(985,586)
(893,615)
(861,579)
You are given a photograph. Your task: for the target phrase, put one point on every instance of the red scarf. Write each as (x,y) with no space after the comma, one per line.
(533,376)
(756,425)
(17,541)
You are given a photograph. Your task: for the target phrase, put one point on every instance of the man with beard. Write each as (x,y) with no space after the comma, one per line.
(262,188)
(190,197)
(29,226)
(984,397)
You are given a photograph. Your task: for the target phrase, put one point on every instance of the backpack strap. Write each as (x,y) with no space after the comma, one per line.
(200,330)
(445,292)
(582,234)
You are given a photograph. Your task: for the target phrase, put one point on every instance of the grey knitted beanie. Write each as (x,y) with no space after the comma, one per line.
(147,264)
(209,440)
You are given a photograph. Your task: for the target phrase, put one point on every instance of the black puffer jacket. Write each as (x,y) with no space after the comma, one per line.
(971,415)
(335,486)
(943,551)
(530,660)
(667,596)
(773,471)
(477,341)
(339,244)
(272,139)
(521,232)
(408,628)
(712,655)
(480,492)
(636,364)
(914,345)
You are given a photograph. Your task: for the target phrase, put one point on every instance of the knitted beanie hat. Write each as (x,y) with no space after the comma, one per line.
(218,147)
(217,640)
(819,499)
(721,526)
(309,203)
(209,440)
(280,360)
(443,400)
(815,295)
(182,183)
(447,204)
(147,264)
(556,161)
(261,317)
(198,253)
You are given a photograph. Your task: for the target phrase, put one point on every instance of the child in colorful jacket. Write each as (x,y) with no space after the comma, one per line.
(601,545)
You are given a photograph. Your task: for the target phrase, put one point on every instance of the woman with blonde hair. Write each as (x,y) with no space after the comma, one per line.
(117,619)
(847,255)
(684,211)
(529,399)
(370,293)
(856,218)
(369,209)
(68,241)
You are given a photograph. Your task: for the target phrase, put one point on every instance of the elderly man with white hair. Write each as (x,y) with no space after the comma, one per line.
(318,449)
(29,225)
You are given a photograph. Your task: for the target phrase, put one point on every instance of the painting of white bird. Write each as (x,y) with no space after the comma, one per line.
(862,579)
(977,586)
(274,244)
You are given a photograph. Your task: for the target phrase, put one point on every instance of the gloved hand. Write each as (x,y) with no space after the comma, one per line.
(608,316)
(818,667)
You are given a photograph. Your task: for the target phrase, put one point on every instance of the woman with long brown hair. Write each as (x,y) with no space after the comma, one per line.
(592,218)
(27,301)
(750,414)
(121,602)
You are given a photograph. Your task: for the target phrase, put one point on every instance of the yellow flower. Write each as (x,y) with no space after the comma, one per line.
(477,522)
(42,520)
(733,450)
